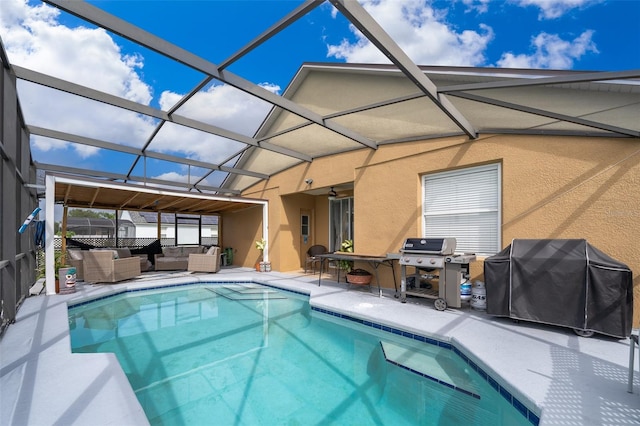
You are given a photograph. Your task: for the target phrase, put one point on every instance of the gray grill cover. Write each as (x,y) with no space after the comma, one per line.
(562,282)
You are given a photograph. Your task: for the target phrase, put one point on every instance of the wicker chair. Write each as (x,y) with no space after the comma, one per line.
(205,262)
(102,266)
(312,259)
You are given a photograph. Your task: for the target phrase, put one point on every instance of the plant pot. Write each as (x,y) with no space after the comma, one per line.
(359,277)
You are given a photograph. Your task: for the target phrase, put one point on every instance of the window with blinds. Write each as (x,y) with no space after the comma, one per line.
(464,204)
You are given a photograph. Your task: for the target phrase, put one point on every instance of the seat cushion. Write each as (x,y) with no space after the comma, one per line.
(172,251)
(187,250)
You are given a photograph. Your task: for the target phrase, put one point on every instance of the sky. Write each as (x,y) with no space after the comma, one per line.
(585,35)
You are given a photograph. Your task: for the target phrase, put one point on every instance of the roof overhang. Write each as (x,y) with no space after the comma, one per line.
(72,191)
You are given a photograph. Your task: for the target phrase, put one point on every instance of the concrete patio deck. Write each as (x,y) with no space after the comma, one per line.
(567,379)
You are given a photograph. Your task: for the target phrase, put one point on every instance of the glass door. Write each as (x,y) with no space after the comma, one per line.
(340,222)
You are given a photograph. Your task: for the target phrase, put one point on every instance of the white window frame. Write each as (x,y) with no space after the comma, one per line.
(465,204)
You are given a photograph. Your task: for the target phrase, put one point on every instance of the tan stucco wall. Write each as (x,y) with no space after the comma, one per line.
(552,187)
(240,231)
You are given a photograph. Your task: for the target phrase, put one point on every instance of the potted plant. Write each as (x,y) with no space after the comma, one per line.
(261,244)
(347,247)
(359,277)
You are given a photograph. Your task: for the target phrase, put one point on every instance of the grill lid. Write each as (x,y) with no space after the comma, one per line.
(442,246)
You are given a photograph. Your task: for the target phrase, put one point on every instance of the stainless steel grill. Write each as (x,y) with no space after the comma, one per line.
(434,259)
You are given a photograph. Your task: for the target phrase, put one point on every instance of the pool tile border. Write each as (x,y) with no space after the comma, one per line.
(515,402)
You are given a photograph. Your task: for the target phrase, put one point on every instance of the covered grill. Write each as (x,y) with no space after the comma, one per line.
(436,257)
(568,283)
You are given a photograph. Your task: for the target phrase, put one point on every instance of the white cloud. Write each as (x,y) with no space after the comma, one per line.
(552,9)
(551,52)
(478,6)
(421,31)
(194,144)
(34,39)
(219,105)
(223,105)
(47,144)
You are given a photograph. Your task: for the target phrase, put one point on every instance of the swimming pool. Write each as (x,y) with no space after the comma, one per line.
(244,353)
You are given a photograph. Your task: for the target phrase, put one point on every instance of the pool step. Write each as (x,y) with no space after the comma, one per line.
(439,367)
(246,292)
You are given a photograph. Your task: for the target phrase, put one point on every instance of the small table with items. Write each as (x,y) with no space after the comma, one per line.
(373,261)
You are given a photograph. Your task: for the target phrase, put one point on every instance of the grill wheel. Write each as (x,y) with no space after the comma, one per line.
(440,304)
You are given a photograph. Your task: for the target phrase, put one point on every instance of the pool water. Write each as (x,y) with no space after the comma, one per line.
(246,354)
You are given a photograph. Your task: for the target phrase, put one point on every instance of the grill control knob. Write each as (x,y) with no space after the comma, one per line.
(433,261)
(419,260)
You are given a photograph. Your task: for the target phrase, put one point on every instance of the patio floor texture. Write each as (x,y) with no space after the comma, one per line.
(567,379)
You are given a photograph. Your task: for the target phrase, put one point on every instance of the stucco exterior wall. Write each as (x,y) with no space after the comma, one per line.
(552,187)
(240,231)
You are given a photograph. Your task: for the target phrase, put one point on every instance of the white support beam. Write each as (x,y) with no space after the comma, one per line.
(49,253)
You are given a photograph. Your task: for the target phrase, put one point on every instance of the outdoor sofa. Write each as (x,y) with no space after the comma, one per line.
(105,266)
(176,257)
(75,258)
